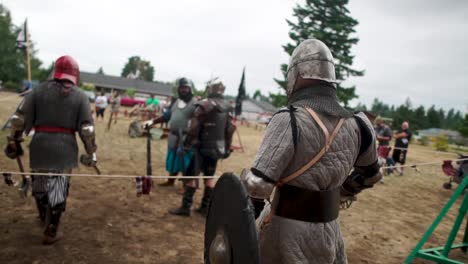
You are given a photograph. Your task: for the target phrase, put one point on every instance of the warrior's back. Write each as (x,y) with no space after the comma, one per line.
(55,118)
(277,159)
(281,160)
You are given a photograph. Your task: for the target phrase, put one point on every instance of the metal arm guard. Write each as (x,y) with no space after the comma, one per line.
(230,129)
(258,186)
(13,148)
(87,135)
(17,123)
(361,178)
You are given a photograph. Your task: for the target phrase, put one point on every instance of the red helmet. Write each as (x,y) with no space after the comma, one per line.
(66,68)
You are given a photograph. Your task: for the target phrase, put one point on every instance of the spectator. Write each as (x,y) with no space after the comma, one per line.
(152,103)
(101,104)
(389,163)
(403,137)
(384,134)
(115,103)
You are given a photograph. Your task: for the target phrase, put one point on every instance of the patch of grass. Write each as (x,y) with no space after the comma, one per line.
(3,137)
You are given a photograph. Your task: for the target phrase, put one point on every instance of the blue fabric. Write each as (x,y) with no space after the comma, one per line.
(390,162)
(174,162)
(167,114)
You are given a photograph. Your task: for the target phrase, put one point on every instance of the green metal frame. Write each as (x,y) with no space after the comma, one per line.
(440,254)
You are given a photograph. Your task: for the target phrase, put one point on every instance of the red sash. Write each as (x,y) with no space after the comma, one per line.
(54,129)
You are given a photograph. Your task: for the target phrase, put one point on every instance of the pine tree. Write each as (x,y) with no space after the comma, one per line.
(137,68)
(443,121)
(458,120)
(11,59)
(100,71)
(463,127)
(401,114)
(433,117)
(330,22)
(420,120)
(13,64)
(279,99)
(240,95)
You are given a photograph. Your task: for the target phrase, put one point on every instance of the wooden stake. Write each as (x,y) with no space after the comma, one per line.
(28,59)
(110,121)
(240,141)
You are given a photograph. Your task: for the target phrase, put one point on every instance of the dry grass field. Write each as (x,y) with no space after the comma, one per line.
(106,223)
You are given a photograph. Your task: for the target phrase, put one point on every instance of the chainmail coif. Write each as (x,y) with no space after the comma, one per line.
(321,98)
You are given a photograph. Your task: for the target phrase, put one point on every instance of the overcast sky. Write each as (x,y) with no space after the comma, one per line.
(415,49)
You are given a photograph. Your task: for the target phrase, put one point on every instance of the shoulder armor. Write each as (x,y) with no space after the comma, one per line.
(207,105)
(367,131)
(223,106)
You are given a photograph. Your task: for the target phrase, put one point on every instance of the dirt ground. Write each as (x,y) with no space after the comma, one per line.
(106,223)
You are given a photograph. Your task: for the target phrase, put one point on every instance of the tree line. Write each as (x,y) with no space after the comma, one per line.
(418,117)
(330,21)
(13,64)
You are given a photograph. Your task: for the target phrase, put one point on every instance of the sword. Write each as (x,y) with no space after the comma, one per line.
(110,121)
(89,161)
(149,169)
(8,180)
(181,146)
(25,183)
(95,167)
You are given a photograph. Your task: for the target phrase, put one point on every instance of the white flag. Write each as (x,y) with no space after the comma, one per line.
(21,40)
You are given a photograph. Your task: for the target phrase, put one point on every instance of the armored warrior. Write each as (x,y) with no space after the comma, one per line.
(178,116)
(210,137)
(307,153)
(56,110)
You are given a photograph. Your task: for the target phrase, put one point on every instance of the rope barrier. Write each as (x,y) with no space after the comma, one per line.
(420,164)
(104,175)
(431,151)
(179,177)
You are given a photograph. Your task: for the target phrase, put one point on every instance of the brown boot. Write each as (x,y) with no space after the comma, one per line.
(180,191)
(169,182)
(51,235)
(42,210)
(187,200)
(207,194)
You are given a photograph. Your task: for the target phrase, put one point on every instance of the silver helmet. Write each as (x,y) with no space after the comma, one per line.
(215,87)
(312,59)
(184,82)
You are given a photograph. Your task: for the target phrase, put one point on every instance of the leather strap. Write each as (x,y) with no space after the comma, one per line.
(328,141)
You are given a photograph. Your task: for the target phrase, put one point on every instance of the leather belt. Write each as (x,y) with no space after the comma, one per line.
(54,129)
(177,133)
(308,206)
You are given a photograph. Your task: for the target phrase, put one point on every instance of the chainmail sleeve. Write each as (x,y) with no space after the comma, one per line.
(84,114)
(27,110)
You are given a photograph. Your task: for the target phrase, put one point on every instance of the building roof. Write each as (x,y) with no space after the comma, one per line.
(438,131)
(254,106)
(115,82)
